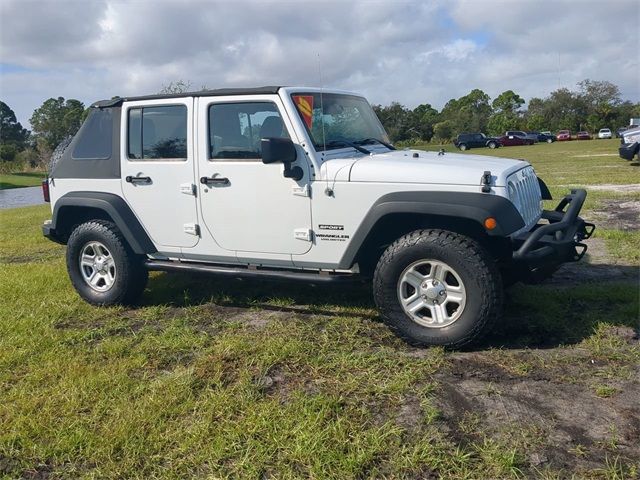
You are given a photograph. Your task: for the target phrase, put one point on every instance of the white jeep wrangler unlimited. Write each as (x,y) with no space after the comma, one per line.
(301,184)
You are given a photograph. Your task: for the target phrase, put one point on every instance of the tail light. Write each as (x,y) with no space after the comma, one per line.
(45,190)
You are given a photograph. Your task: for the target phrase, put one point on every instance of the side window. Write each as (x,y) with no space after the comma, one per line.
(157,133)
(235,129)
(95,137)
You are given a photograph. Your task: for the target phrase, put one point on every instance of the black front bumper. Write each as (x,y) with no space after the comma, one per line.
(559,238)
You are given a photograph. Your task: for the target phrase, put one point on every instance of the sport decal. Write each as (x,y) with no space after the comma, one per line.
(304,103)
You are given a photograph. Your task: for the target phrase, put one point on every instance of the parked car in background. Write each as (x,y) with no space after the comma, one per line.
(513,140)
(475,140)
(604,133)
(583,136)
(563,135)
(520,133)
(630,144)
(542,136)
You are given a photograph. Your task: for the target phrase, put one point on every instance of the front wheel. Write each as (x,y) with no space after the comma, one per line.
(493,144)
(435,287)
(102,267)
(463,147)
(549,140)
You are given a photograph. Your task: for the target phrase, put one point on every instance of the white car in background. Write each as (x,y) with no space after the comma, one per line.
(604,133)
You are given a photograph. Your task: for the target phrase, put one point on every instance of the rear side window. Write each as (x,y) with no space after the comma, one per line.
(95,137)
(157,133)
(235,129)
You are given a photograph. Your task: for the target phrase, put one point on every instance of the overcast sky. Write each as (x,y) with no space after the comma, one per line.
(411,52)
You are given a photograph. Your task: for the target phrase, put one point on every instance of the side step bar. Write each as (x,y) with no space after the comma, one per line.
(240,272)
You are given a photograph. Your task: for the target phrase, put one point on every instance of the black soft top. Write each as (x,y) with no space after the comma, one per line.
(117,101)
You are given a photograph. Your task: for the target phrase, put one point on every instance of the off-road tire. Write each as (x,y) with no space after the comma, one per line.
(475,267)
(131,276)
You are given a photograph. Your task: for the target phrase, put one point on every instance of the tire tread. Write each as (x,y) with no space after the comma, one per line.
(474,254)
(134,276)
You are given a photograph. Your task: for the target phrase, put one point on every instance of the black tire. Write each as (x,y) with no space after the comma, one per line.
(493,145)
(476,269)
(462,147)
(130,276)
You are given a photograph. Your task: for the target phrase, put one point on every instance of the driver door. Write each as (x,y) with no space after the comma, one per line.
(247,206)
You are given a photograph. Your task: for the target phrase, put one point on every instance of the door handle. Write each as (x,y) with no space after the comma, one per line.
(137,179)
(214,180)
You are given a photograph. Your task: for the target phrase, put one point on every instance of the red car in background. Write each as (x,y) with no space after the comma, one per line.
(563,135)
(513,140)
(583,136)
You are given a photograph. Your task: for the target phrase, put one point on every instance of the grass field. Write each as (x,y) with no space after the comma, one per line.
(23,179)
(219,379)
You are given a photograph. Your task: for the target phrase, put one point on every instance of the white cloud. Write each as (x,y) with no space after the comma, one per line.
(405,51)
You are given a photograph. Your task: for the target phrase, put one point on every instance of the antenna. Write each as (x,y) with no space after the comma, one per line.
(327,191)
(324,140)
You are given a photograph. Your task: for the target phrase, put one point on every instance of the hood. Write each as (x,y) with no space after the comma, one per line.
(401,166)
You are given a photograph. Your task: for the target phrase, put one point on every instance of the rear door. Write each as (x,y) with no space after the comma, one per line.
(158,169)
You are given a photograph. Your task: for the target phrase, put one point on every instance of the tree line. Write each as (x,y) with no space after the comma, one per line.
(591,106)
(52,122)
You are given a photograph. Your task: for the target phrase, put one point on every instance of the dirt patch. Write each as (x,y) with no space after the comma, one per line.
(618,215)
(625,188)
(597,266)
(595,155)
(558,418)
(410,414)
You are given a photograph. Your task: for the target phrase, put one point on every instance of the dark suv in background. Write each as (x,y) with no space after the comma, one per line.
(475,140)
(542,137)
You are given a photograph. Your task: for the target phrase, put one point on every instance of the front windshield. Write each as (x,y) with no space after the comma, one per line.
(335,120)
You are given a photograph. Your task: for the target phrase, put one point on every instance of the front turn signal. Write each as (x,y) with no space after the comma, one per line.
(490,223)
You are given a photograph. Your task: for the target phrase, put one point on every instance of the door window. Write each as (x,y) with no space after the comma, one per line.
(157,133)
(235,129)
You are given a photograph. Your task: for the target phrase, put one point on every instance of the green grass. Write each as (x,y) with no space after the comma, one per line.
(23,179)
(220,379)
(575,163)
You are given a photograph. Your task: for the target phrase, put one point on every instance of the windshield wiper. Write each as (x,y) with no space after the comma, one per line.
(370,140)
(336,143)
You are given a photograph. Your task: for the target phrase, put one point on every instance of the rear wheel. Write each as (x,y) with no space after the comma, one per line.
(549,140)
(463,147)
(435,287)
(102,267)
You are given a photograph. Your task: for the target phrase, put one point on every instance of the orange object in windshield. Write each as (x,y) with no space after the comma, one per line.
(304,103)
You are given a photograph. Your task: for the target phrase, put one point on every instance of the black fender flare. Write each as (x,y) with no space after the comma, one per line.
(544,190)
(467,205)
(116,208)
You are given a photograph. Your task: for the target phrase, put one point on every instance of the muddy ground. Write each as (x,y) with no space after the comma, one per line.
(566,409)
(546,401)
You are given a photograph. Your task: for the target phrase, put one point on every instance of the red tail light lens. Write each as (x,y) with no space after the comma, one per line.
(45,190)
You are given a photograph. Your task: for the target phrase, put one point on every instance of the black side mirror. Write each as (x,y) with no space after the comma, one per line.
(278,150)
(281,150)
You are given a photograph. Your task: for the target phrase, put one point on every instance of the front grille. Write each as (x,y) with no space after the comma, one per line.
(524,192)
